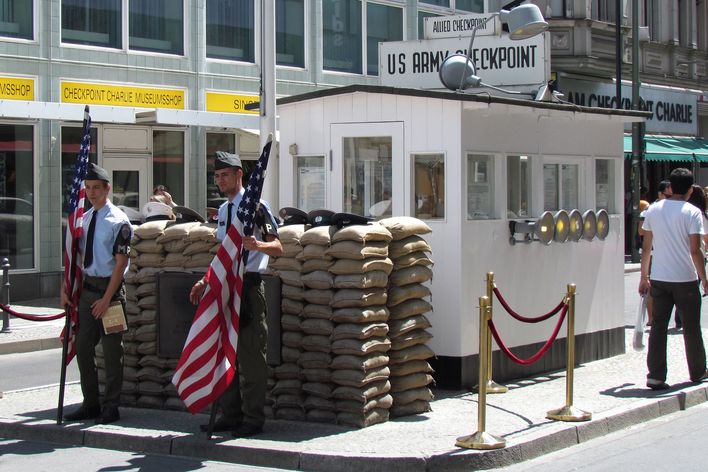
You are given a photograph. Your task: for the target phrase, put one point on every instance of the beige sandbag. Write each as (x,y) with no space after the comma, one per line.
(146,317)
(409,308)
(410,367)
(291,307)
(199,260)
(148,347)
(149,246)
(398,295)
(202,232)
(313,310)
(317,326)
(291,233)
(149,260)
(358,251)
(359,331)
(351,266)
(418,336)
(146,332)
(413,353)
(363,363)
(384,401)
(411,395)
(143,290)
(376,278)
(316,343)
(289,354)
(319,297)
(319,235)
(351,297)
(151,229)
(149,373)
(362,394)
(312,265)
(317,375)
(291,292)
(177,232)
(174,245)
(412,259)
(411,275)
(318,389)
(285,263)
(403,226)
(408,245)
(287,387)
(314,360)
(313,402)
(370,314)
(290,277)
(414,408)
(359,378)
(287,370)
(410,381)
(131,277)
(360,347)
(153,361)
(314,251)
(290,413)
(321,416)
(148,303)
(363,233)
(289,400)
(197,247)
(290,322)
(401,327)
(292,339)
(318,279)
(363,420)
(174,259)
(291,249)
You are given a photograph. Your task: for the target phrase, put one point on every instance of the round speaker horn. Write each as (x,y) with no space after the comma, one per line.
(544,228)
(589,225)
(603,225)
(457,73)
(575,226)
(562,226)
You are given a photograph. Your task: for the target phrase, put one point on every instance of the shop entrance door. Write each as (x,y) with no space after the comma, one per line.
(130,180)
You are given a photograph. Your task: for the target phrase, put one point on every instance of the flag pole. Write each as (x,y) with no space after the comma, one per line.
(67,311)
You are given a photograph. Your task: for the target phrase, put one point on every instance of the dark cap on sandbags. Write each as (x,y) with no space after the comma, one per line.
(349,219)
(96,173)
(187,215)
(320,217)
(293,216)
(226,160)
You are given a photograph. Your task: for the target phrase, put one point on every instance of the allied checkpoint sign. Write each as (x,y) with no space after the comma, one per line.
(454,26)
(499,61)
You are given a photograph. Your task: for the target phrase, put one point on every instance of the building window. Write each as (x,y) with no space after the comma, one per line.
(168,162)
(383,23)
(474,6)
(17,18)
(439,3)
(422,15)
(605,185)
(341,25)
(93,22)
(157,26)
(518,186)
(310,182)
(367,175)
(480,187)
(603,10)
(560,187)
(429,186)
(290,33)
(230,30)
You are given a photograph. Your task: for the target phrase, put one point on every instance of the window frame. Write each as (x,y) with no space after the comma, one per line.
(296,179)
(123,32)
(186,154)
(531,162)
(35,26)
(413,204)
(492,184)
(306,43)
(580,162)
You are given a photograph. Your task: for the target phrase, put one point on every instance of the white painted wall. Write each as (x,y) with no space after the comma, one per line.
(532,277)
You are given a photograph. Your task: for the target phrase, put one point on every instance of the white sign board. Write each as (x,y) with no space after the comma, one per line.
(674,112)
(460,25)
(498,61)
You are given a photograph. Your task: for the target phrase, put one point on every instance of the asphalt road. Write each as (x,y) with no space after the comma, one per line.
(33,369)
(672,442)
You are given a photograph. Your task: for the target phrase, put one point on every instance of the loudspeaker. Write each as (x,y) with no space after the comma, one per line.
(575,228)
(589,225)
(543,229)
(562,226)
(603,225)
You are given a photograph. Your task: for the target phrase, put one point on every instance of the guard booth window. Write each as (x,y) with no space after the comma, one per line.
(518,188)
(17,195)
(605,185)
(310,182)
(429,186)
(168,163)
(367,176)
(560,187)
(480,187)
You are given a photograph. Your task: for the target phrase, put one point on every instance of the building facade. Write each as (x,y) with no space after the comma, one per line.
(168,80)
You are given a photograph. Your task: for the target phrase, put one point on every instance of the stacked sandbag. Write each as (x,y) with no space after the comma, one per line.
(285,391)
(359,364)
(316,325)
(407,302)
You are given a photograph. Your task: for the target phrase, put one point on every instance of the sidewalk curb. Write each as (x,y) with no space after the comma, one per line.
(30,345)
(548,438)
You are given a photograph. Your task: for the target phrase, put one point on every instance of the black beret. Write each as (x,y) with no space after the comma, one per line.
(348,219)
(187,215)
(293,216)
(96,173)
(320,217)
(226,160)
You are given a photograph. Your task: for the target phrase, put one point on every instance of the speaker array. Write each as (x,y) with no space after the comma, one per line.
(562,227)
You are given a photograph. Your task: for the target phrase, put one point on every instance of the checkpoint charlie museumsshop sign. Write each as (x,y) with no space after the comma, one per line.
(673,111)
(498,60)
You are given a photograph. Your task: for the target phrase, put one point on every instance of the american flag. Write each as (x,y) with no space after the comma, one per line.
(74,231)
(208,361)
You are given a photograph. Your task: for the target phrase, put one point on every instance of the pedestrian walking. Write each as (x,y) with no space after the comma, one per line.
(673,229)
(104,249)
(243,401)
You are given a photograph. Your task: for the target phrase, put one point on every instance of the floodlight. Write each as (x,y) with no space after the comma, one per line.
(543,229)
(562,226)
(589,225)
(575,226)
(603,225)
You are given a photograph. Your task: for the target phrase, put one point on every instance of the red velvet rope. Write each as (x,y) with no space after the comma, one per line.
(28,317)
(541,351)
(525,319)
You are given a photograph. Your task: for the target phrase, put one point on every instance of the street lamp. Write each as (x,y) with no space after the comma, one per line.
(457,72)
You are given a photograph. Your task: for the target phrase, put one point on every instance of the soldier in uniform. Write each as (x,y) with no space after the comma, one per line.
(104,246)
(243,402)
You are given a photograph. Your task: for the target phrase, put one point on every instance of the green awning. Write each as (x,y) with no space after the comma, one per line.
(666,148)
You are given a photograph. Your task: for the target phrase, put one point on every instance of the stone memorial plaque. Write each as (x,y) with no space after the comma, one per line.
(174,312)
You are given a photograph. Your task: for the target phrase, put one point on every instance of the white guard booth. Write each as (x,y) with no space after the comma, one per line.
(467,165)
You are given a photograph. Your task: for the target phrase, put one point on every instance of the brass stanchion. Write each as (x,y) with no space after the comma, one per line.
(492,386)
(481,439)
(569,412)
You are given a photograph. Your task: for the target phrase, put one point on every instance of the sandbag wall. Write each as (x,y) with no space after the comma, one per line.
(356,364)
(157,246)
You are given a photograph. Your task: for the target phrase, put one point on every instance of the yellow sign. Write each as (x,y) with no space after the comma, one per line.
(15,88)
(230,102)
(121,95)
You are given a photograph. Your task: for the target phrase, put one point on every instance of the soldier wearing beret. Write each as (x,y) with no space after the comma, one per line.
(242,403)
(104,248)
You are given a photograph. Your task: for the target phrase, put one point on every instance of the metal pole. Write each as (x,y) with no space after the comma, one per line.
(481,439)
(492,386)
(569,412)
(636,134)
(618,53)
(267,105)
(6,294)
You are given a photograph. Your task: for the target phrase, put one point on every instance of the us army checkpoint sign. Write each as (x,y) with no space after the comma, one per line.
(498,60)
